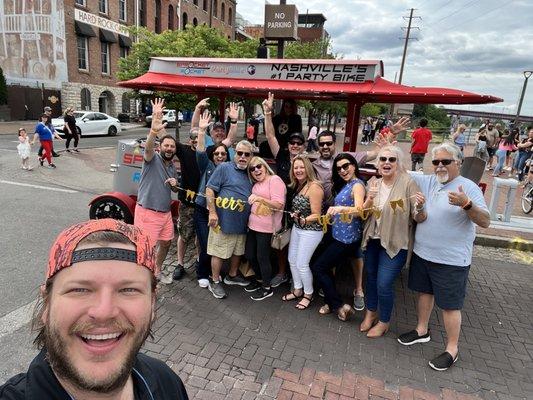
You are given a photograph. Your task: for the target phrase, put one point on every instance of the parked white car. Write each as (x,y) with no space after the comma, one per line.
(169,116)
(91,123)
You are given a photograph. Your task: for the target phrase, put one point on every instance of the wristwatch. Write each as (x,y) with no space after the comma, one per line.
(468,205)
(233,121)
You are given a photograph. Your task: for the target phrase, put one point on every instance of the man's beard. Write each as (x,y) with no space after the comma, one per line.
(166,157)
(442,177)
(64,368)
(241,167)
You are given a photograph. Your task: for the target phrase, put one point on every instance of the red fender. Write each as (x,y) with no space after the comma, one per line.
(129,201)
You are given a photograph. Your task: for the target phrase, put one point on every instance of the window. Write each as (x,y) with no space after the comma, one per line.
(85,99)
(185,20)
(215,8)
(170,17)
(142,12)
(105,57)
(205,5)
(122,6)
(124,51)
(102,6)
(194,22)
(83,53)
(126,106)
(157,16)
(100,117)
(80,3)
(230,16)
(195,2)
(223,12)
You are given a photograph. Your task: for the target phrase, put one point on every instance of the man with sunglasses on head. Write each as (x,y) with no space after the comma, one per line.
(227,193)
(190,179)
(442,251)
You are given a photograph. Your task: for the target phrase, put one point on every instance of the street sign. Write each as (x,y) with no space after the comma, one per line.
(281,21)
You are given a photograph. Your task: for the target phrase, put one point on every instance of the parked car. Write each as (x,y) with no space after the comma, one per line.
(169,116)
(91,123)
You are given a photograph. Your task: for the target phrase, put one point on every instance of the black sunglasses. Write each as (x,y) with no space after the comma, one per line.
(243,153)
(322,144)
(344,166)
(389,159)
(254,167)
(295,143)
(219,153)
(446,161)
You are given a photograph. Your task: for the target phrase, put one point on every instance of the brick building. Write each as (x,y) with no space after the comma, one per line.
(63,53)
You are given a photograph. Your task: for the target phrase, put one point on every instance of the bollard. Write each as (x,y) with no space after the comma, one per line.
(499,183)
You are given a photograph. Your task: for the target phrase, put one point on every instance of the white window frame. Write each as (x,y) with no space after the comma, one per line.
(124,52)
(124,5)
(108,58)
(106,2)
(82,3)
(86,41)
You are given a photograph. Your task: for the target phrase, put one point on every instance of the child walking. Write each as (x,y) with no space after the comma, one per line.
(24,149)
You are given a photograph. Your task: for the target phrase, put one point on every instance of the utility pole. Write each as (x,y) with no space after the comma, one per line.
(281,42)
(527,74)
(407,38)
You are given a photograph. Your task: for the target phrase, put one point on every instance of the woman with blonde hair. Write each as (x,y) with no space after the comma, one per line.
(397,202)
(70,129)
(267,201)
(306,232)
(459,137)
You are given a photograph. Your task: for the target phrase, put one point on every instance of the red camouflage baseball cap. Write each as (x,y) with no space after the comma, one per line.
(63,252)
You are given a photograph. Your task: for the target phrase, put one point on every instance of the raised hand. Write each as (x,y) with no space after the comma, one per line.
(373,190)
(420,200)
(203,104)
(205,120)
(233,111)
(268,103)
(401,125)
(157,115)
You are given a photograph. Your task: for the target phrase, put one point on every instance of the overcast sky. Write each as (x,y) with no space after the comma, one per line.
(475,45)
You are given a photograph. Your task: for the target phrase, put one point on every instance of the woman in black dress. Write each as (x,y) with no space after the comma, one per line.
(70,129)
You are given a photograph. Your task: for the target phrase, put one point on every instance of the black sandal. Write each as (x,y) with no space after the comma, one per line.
(301,305)
(291,296)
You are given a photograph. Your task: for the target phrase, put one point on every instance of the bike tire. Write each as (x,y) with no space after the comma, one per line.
(527,198)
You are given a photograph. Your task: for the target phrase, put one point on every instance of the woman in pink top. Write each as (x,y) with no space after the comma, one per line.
(506,144)
(268,195)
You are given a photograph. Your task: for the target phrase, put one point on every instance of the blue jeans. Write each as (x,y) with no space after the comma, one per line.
(322,269)
(501,154)
(520,163)
(381,273)
(201,218)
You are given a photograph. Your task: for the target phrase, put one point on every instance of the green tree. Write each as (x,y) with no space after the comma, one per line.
(3,88)
(437,117)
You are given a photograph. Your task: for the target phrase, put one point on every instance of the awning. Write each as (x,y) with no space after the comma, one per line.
(84,29)
(124,41)
(381,90)
(107,36)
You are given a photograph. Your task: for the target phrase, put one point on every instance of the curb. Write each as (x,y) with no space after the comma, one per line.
(504,243)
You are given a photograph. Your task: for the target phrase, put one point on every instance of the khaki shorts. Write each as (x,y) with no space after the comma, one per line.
(224,245)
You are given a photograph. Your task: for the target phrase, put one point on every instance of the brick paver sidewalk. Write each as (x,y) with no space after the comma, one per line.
(240,349)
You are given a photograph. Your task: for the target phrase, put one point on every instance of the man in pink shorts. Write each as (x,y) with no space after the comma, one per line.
(158,181)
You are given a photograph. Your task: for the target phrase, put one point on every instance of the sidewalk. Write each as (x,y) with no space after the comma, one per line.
(240,349)
(11,127)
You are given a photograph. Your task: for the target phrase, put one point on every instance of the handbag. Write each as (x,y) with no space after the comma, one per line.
(281,238)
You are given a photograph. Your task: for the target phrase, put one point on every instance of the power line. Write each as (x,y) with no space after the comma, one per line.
(456,11)
(481,15)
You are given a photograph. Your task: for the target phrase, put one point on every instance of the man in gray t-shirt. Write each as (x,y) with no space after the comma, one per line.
(158,181)
(442,251)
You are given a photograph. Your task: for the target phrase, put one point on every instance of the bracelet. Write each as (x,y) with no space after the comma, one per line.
(468,205)
(420,209)
(233,121)
(268,113)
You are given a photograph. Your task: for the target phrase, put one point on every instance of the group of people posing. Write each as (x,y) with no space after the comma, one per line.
(239,204)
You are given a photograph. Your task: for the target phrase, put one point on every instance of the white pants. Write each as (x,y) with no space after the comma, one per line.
(301,248)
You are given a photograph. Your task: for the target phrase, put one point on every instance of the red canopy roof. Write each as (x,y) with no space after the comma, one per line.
(379,91)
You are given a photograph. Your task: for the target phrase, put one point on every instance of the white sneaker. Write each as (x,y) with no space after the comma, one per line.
(203,283)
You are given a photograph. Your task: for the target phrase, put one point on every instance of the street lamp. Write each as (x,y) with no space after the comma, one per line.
(527,74)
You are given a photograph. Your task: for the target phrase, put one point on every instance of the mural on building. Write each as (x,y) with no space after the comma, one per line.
(32,42)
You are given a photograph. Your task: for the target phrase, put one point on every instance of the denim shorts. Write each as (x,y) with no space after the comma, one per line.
(446,282)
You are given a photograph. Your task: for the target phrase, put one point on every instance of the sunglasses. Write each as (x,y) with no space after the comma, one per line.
(322,144)
(243,153)
(343,167)
(389,159)
(296,143)
(255,167)
(444,162)
(194,138)
(220,153)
